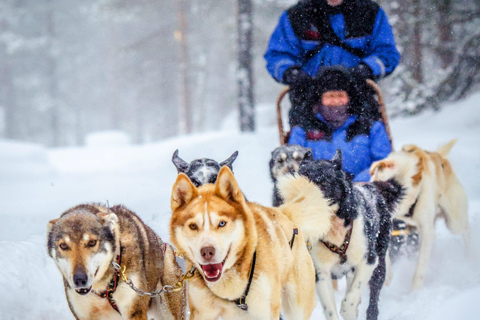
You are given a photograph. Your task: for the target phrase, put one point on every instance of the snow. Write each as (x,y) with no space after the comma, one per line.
(38,184)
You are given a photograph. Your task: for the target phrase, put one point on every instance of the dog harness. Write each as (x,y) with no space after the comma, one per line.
(341,251)
(295,232)
(112,286)
(240,302)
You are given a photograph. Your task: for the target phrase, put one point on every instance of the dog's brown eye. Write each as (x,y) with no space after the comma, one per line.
(63,246)
(222,224)
(192,226)
(92,243)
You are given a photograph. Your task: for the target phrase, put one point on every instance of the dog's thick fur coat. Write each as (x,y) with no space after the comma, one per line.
(367,209)
(219,233)
(432,190)
(84,242)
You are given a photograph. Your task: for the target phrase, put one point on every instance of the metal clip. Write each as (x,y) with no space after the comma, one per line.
(123,273)
(309,246)
(178,254)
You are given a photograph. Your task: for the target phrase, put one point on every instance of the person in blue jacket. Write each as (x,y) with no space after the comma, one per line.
(315,33)
(336,125)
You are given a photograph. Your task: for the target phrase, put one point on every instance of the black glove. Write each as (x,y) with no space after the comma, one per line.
(296,77)
(361,73)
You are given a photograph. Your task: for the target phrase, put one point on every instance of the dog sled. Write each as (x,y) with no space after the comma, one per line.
(404,238)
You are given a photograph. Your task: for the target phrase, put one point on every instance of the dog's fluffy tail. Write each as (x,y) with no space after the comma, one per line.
(306,206)
(444,150)
(392,191)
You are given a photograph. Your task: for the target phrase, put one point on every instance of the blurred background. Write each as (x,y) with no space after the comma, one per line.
(69,68)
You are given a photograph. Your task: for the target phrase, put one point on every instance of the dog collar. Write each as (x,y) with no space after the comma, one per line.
(341,251)
(112,286)
(240,302)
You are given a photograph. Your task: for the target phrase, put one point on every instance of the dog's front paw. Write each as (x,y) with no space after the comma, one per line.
(349,310)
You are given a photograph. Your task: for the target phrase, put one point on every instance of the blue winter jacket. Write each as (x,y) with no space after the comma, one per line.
(287,47)
(358,153)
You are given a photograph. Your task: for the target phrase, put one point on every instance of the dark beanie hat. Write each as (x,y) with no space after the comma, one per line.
(334,78)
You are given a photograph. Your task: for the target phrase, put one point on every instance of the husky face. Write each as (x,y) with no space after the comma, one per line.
(286,159)
(202,171)
(208,224)
(82,245)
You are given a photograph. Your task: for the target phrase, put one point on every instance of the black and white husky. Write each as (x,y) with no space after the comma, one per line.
(354,237)
(202,171)
(285,159)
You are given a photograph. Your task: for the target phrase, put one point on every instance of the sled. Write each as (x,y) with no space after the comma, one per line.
(285,134)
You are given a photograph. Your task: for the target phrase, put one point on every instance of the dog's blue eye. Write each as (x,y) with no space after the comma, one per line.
(222,224)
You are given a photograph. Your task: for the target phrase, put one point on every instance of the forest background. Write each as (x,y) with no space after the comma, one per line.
(69,68)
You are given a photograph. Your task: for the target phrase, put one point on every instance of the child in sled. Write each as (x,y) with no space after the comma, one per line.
(334,119)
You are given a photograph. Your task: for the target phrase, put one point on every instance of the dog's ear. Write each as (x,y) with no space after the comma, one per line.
(50,225)
(109,219)
(183,192)
(49,236)
(377,166)
(230,160)
(337,160)
(180,164)
(227,186)
(308,157)
(409,148)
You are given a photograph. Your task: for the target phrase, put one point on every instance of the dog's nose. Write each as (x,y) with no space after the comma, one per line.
(207,253)
(80,279)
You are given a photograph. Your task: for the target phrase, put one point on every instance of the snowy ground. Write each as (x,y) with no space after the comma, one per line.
(37,185)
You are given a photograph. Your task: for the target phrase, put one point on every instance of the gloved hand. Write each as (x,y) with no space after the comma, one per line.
(361,73)
(295,76)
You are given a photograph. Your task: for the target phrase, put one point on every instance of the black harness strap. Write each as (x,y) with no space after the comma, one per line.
(240,302)
(295,232)
(112,286)
(411,210)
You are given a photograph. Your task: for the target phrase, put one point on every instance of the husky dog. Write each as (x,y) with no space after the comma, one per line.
(285,160)
(89,242)
(354,239)
(248,261)
(202,171)
(432,190)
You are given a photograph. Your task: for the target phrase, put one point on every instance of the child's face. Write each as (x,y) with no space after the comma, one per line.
(335,98)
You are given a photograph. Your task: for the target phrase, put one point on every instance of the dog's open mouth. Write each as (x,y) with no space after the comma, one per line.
(83,291)
(213,271)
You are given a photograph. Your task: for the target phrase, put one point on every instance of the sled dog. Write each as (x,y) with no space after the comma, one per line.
(432,190)
(202,171)
(89,240)
(285,160)
(353,238)
(249,261)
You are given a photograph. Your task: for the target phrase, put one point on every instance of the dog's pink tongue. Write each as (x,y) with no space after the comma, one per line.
(212,271)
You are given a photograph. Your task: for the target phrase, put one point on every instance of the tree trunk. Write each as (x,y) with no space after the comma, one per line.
(445,47)
(184,93)
(52,76)
(417,43)
(245,72)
